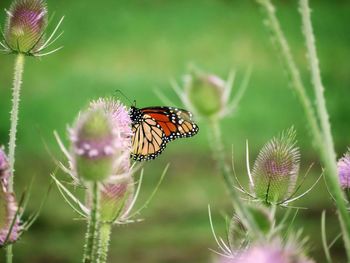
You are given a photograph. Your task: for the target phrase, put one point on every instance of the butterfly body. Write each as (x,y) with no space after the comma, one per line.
(154,127)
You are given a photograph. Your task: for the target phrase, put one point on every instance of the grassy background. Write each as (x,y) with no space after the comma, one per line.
(137,46)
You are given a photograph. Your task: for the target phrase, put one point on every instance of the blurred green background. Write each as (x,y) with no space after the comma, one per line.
(137,47)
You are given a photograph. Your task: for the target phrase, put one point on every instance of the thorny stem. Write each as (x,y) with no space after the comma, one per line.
(17,82)
(92,234)
(322,135)
(328,152)
(105,235)
(219,155)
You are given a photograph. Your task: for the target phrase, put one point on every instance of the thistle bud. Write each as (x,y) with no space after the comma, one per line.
(8,220)
(344,173)
(25,25)
(206,93)
(276,168)
(116,198)
(93,145)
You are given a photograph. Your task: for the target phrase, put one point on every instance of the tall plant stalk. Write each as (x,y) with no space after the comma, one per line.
(329,155)
(16,91)
(17,82)
(92,234)
(321,133)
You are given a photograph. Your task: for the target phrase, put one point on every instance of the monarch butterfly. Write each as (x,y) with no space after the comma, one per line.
(154,127)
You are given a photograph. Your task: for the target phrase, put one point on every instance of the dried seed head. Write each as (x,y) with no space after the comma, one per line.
(276,169)
(25,25)
(116,198)
(8,209)
(206,93)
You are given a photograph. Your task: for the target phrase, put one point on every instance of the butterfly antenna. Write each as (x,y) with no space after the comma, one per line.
(121,93)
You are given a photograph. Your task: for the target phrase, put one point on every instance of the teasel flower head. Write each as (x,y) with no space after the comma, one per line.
(116,199)
(25,27)
(205,92)
(276,169)
(100,141)
(269,252)
(9,222)
(344,172)
(207,95)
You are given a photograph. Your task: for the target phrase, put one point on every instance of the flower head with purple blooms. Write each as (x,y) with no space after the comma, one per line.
(26,22)
(8,219)
(268,253)
(24,32)
(344,171)
(101,141)
(8,206)
(276,168)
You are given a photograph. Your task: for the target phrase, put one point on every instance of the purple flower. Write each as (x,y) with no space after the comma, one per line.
(276,168)
(344,171)
(101,141)
(25,25)
(8,209)
(268,253)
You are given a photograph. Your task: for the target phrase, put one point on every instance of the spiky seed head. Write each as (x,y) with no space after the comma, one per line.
(276,168)
(8,209)
(344,173)
(116,197)
(25,25)
(205,92)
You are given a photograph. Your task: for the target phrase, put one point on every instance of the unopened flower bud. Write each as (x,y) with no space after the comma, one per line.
(206,93)
(25,25)
(276,168)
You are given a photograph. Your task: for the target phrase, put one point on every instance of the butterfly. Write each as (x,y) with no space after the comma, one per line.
(154,127)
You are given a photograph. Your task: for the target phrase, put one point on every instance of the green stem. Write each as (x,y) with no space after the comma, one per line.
(292,69)
(105,236)
(92,234)
(17,82)
(219,154)
(9,254)
(328,152)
